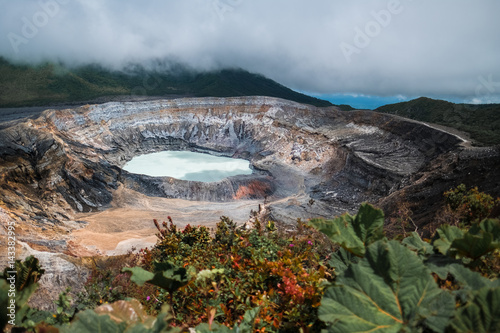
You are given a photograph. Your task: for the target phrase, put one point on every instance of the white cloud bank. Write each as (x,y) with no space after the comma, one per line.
(384,47)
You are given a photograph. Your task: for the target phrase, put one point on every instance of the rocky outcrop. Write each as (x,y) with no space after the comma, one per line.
(425,188)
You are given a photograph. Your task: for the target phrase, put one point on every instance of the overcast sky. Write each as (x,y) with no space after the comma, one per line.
(437,48)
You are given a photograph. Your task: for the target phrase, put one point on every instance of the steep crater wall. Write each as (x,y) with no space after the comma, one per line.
(69,161)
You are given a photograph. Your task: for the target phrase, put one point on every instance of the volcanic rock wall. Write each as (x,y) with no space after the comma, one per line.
(70,161)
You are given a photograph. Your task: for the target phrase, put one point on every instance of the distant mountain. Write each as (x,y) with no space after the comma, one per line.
(49,84)
(481,121)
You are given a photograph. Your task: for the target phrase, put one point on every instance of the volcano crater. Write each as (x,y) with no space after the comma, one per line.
(295,150)
(307,161)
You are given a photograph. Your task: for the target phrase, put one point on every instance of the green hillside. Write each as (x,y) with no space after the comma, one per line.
(481,121)
(46,84)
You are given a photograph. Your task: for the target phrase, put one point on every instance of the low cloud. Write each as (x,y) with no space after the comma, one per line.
(444,48)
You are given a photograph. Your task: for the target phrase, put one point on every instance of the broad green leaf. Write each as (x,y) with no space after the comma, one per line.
(249,320)
(354,233)
(441,265)
(481,239)
(436,311)
(415,243)
(171,277)
(341,260)
(388,290)
(90,322)
(473,246)
(35,317)
(445,235)
(344,309)
(166,276)
(161,323)
(469,281)
(481,314)
(139,275)
(369,224)
(341,231)
(492,226)
(28,272)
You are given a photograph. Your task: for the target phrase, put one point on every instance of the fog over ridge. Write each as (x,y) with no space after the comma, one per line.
(383,48)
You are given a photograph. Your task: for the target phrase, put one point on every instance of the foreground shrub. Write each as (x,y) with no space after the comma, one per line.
(412,286)
(240,270)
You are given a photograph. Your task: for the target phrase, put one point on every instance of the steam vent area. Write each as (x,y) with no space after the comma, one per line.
(64,185)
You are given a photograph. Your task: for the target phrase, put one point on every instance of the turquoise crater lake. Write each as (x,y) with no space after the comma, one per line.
(186,165)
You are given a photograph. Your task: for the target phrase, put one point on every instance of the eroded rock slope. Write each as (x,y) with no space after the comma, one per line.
(69,161)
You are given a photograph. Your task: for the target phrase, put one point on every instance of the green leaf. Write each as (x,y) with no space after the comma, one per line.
(473,246)
(388,290)
(28,272)
(21,299)
(139,276)
(470,279)
(354,233)
(248,322)
(369,224)
(166,276)
(481,314)
(491,226)
(445,235)
(162,320)
(35,317)
(441,265)
(341,231)
(341,260)
(415,243)
(481,239)
(171,277)
(436,311)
